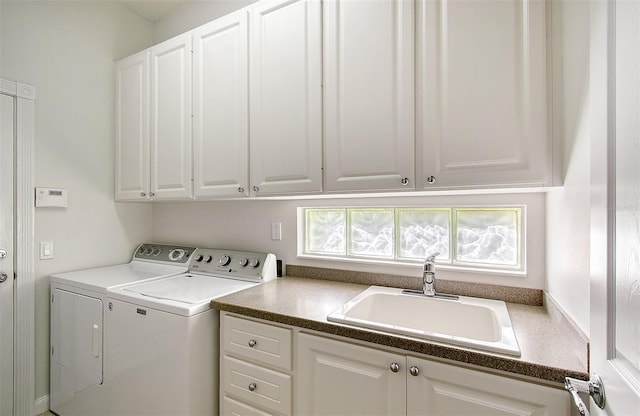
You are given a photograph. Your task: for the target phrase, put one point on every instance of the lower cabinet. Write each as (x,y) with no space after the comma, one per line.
(255,367)
(435,388)
(336,377)
(332,376)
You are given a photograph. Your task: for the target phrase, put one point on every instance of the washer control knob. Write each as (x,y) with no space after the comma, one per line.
(254,263)
(243,262)
(157,251)
(224,260)
(209,259)
(199,258)
(176,254)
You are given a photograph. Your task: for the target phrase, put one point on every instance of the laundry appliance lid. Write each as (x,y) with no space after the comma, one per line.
(189,288)
(102,278)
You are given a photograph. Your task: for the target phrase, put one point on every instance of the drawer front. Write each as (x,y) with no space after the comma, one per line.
(256,385)
(229,406)
(256,341)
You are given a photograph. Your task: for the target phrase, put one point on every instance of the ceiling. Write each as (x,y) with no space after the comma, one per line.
(153,10)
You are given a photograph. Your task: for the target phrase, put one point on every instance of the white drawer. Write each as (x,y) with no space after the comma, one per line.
(256,341)
(229,406)
(256,385)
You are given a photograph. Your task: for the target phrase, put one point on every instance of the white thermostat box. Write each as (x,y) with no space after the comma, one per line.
(51,197)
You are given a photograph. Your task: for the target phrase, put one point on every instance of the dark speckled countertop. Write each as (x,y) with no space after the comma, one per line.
(306,302)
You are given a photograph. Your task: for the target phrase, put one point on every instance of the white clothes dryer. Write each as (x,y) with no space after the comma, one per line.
(163,343)
(78,304)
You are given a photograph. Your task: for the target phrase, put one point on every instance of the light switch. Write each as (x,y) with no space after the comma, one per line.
(46,250)
(276,231)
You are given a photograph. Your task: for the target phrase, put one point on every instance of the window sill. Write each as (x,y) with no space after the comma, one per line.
(416,268)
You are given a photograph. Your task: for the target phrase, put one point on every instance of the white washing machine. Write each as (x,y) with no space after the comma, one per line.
(163,342)
(78,305)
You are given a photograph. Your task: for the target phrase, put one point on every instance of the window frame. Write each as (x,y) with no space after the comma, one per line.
(520,269)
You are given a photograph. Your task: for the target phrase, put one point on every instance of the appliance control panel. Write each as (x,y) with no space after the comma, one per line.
(165,253)
(242,265)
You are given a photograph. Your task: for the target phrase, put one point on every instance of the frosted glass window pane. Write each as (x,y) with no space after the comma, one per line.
(488,236)
(423,232)
(371,232)
(326,231)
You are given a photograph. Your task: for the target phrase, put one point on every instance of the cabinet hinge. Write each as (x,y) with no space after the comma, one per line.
(52,350)
(52,298)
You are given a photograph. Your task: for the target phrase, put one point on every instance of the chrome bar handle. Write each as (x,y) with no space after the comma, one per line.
(570,384)
(593,388)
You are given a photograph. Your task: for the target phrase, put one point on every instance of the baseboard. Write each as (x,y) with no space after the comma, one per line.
(41,405)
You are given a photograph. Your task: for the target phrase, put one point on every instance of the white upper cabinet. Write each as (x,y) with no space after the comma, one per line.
(171,119)
(369,95)
(482,94)
(285,97)
(221,118)
(132,128)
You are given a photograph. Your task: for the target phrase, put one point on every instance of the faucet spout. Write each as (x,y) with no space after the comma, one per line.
(429,276)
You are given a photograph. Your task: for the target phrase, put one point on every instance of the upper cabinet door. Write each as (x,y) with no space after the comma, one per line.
(171,119)
(221,122)
(285,97)
(482,94)
(369,94)
(132,128)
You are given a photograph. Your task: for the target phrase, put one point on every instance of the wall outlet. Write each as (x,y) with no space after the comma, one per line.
(46,250)
(276,231)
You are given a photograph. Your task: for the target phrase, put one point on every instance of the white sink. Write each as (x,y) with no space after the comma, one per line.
(477,323)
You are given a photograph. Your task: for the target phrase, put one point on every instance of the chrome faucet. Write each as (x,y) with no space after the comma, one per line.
(429,276)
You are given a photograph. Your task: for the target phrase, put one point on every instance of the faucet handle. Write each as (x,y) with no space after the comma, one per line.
(432,257)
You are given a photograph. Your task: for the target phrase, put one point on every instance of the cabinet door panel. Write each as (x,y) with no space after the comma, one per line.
(221,130)
(132,128)
(442,389)
(482,95)
(369,94)
(335,377)
(285,97)
(171,113)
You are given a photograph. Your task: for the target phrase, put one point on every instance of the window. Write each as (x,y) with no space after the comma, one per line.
(484,237)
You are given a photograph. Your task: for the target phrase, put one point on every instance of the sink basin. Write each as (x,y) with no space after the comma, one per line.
(476,323)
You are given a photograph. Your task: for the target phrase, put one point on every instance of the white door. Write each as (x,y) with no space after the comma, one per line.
(221,129)
(7,133)
(285,97)
(171,114)
(615,281)
(368,67)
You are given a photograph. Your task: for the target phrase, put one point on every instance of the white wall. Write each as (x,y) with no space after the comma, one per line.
(67,50)
(568,207)
(194,14)
(246,224)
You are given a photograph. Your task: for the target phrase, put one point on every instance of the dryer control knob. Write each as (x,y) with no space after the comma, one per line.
(199,258)
(209,259)
(254,263)
(224,260)
(243,262)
